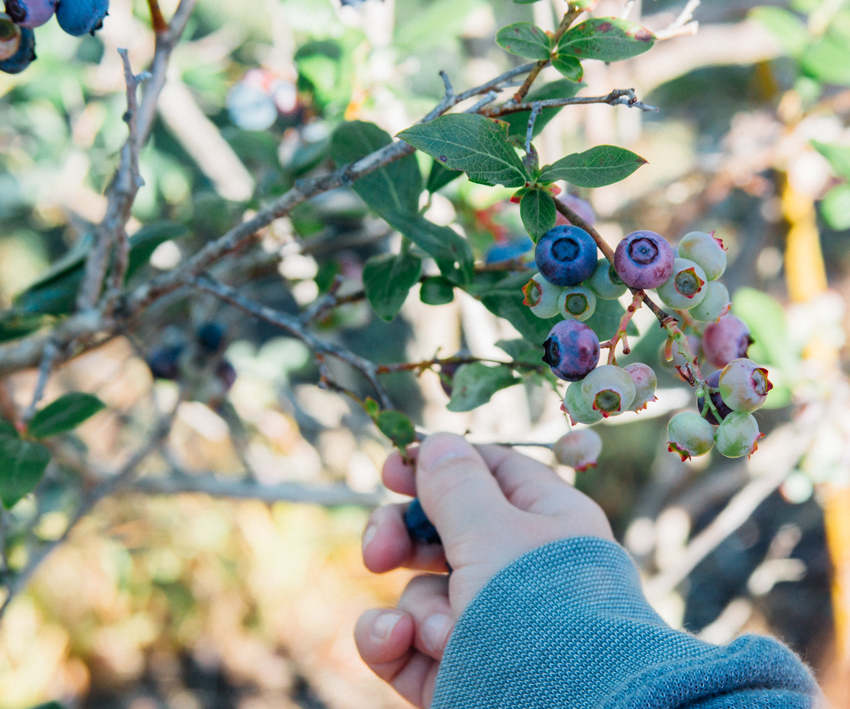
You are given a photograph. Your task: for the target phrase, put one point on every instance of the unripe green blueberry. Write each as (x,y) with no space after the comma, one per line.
(706,250)
(645,383)
(541,296)
(685,288)
(577,303)
(608,390)
(577,408)
(737,435)
(714,305)
(689,434)
(744,385)
(605,282)
(578,449)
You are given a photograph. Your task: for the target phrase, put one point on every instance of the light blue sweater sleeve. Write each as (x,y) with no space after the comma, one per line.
(567,627)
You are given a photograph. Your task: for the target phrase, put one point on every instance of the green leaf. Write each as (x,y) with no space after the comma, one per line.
(325,69)
(537,209)
(838,156)
(372,407)
(64,414)
(518,122)
(439,177)
(436,291)
(606,38)
(525,40)
(597,167)
(472,143)
(22,465)
(394,187)
(474,384)
(828,61)
(835,207)
(522,351)
(504,298)
(397,427)
(8,430)
(789,29)
(568,66)
(451,251)
(14,325)
(434,24)
(387,279)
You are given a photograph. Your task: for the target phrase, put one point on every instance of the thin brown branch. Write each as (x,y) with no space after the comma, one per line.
(617,97)
(157,20)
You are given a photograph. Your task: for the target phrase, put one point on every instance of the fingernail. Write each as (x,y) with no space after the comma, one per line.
(382,626)
(435,631)
(369,535)
(437,450)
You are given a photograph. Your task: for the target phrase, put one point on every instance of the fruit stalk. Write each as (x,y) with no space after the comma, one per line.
(157,19)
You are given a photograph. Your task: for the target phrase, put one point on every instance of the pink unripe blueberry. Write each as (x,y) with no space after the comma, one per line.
(645,384)
(689,434)
(30,13)
(644,259)
(541,296)
(737,435)
(725,340)
(744,385)
(571,351)
(706,250)
(686,286)
(577,408)
(578,449)
(714,305)
(577,302)
(608,390)
(605,282)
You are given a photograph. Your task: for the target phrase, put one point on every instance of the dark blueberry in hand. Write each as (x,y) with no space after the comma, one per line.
(226,374)
(211,336)
(727,339)
(164,362)
(30,13)
(79,17)
(644,259)
(713,380)
(572,350)
(419,527)
(447,375)
(25,55)
(566,255)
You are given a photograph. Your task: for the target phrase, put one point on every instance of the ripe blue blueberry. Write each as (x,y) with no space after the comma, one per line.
(706,250)
(419,527)
(541,296)
(714,305)
(30,13)
(605,282)
(727,339)
(713,382)
(738,435)
(686,286)
(744,385)
(211,336)
(25,55)
(608,390)
(577,302)
(164,361)
(644,259)
(689,434)
(577,408)
(571,351)
(226,374)
(578,449)
(645,384)
(79,17)
(566,255)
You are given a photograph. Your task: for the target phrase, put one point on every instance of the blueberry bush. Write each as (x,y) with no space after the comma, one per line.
(279,244)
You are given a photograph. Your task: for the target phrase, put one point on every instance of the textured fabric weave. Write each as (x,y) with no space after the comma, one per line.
(566,626)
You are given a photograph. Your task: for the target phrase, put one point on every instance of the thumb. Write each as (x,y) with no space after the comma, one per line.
(457,490)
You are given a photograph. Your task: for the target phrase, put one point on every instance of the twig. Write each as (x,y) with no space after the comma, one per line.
(530,154)
(627,9)
(618,97)
(682,24)
(157,20)
(488,99)
(44,370)
(447,83)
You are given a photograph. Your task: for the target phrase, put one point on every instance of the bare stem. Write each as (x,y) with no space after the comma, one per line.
(617,97)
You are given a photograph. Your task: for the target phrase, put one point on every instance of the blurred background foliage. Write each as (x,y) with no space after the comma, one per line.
(185,601)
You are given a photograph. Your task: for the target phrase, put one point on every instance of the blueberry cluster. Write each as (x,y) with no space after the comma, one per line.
(17,39)
(570,280)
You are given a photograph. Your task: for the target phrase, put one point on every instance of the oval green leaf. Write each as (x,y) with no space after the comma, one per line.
(64,414)
(436,291)
(570,67)
(597,167)
(608,39)
(474,384)
(387,279)
(525,40)
(537,209)
(397,427)
(22,465)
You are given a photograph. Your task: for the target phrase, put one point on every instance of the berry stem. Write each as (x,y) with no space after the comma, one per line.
(420,367)
(621,335)
(157,19)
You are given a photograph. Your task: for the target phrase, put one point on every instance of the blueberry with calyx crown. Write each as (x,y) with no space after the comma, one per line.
(566,255)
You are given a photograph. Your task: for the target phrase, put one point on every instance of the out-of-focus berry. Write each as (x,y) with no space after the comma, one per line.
(737,435)
(645,384)
(706,250)
(578,449)
(644,259)
(79,17)
(686,286)
(571,351)
(605,282)
(541,296)
(744,385)
(713,382)
(30,13)
(509,250)
(226,374)
(164,361)
(580,207)
(566,255)
(419,527)
(689,434)
(577,302)
(577,408)
(24,56)
(608,390)
(725,340)
(211,336)
(447,374)
(714,305)
(10,38)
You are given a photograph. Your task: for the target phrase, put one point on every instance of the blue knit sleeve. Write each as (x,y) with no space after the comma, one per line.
(566,626)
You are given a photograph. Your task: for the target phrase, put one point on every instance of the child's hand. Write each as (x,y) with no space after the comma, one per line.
(490,505)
